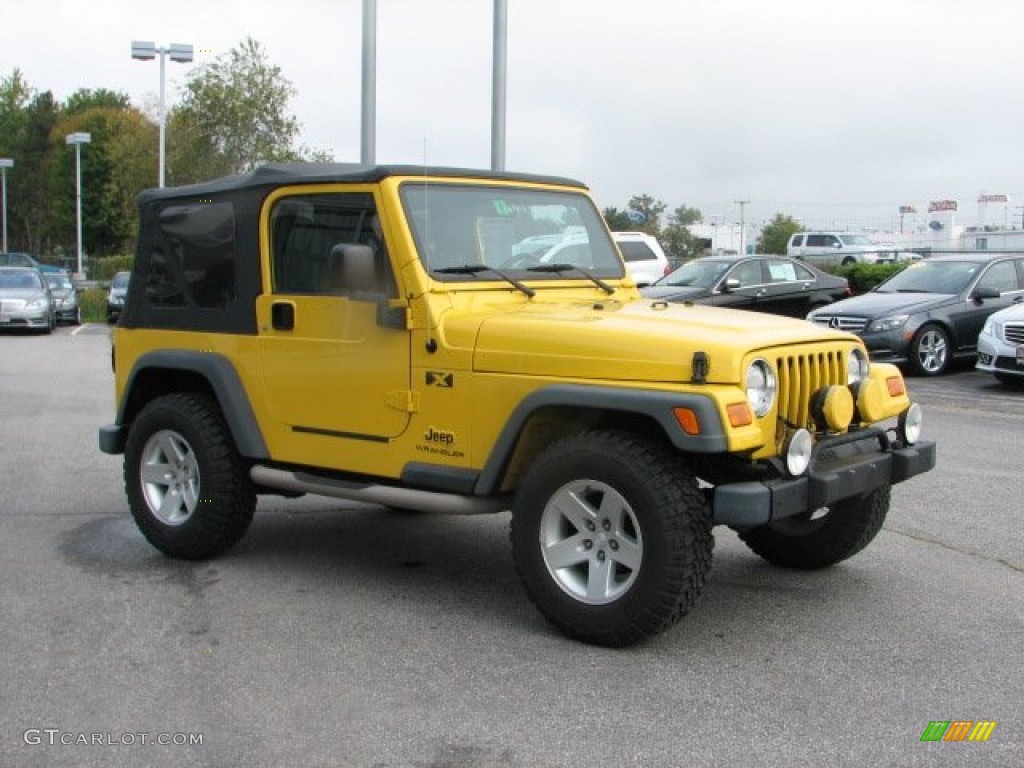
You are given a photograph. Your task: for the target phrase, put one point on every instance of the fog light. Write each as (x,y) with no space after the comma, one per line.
(909,424)
(798,452)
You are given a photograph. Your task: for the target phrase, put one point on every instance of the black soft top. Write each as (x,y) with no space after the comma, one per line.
(278,174)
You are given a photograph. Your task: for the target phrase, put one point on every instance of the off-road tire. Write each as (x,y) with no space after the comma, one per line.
(659,522)
(188,489)
(812,542)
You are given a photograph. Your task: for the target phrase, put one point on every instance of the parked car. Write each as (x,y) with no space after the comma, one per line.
(65,297)
(115,298)
(645,259)
(774,284)
(833,249)
(1001,345)
(25,300)
(931,312)
(26,260)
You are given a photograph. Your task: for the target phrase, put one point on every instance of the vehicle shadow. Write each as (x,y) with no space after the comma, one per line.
(458,567)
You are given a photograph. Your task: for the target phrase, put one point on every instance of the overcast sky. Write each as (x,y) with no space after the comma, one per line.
(833,112)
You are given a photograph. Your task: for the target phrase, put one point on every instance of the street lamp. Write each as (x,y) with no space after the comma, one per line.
(5,163)
(145,50)
(78,139)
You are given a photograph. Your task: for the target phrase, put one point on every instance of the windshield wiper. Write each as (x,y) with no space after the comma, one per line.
(571,268)
(473,269)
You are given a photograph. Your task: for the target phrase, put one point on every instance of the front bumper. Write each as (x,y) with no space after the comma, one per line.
(888,346)
(995,356)
(842,468)
(25,319)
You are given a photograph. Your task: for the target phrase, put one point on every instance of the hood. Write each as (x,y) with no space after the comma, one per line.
(674,292)
(24,294)
(876,304)
(608,340)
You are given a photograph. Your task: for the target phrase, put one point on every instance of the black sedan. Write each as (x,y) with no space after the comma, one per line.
(932,311)
(763,283)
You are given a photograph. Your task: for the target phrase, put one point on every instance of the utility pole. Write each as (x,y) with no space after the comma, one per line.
(743,225)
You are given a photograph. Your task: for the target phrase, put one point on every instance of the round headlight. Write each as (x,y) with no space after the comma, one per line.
(761,387)
(856,367)
(798,452)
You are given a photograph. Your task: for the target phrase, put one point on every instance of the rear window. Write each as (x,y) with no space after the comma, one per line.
(192,262)
(634,250)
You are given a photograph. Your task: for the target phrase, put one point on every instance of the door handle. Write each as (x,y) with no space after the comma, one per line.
(282,316)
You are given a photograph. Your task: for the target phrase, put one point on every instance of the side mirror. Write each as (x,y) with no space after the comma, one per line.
(985,293)
(354,268)
(730,285)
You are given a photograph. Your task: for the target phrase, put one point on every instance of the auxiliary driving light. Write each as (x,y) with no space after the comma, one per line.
(909,424)
(798,452)
(832,408)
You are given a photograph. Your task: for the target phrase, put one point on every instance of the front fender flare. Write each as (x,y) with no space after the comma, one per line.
(656,405)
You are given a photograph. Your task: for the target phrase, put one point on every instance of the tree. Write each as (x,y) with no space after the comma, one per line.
(86,98)
(651,211)
(676,238)
(26,121)
(32,209)
(233,116)
(116,165)
(15,95)
(776,234)
(685,216)
(617,221)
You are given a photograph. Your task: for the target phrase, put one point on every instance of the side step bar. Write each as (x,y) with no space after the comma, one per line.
(385,495)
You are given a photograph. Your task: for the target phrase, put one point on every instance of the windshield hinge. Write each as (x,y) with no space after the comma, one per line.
(404,400)
(701,366)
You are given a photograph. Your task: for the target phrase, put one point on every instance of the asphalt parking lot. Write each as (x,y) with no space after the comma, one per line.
(337,634)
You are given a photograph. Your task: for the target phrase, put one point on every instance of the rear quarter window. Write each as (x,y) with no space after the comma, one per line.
(192,262)
(636,251)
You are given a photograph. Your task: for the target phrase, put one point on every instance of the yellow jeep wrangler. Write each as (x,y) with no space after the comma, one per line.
(465,342)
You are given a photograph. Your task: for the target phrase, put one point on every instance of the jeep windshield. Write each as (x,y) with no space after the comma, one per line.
(508,230)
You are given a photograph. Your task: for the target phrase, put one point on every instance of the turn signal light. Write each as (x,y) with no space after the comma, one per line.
(687,419)
(739,414)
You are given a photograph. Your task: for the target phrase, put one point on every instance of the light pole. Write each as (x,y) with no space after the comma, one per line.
(743,225)
(145,50)
(499,87)
(5,163)
(78,139)
(368,123)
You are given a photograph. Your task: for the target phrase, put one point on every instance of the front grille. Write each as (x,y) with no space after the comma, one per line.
(842,322)
(800,376)
(1014,333)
